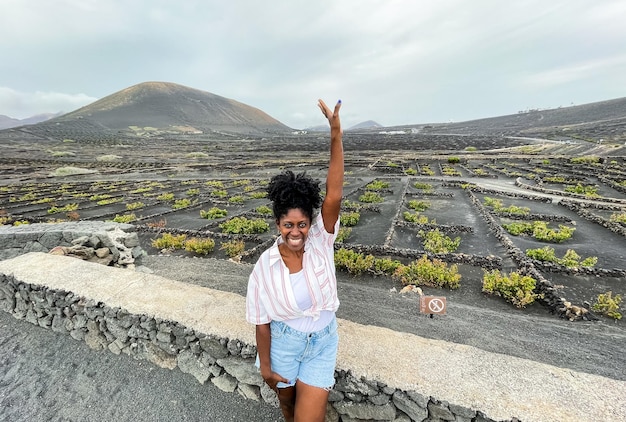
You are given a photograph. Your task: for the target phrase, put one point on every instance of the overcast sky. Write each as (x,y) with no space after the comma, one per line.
(395,62)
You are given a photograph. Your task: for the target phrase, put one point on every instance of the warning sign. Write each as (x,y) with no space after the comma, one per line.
(433,305)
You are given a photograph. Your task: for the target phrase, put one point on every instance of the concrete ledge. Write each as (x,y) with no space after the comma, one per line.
(447,381)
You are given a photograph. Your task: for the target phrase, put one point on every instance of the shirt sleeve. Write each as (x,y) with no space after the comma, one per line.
(327,239)
(255,311)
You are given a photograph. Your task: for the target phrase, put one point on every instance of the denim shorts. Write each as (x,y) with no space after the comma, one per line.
(308,357)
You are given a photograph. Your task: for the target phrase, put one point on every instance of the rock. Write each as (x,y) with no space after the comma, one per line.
(269,396)
(102,252)
(225,383)
(189,363)
(242,369)
(158,356)
(58,250)
(410,407)
(368,411)
(248,391)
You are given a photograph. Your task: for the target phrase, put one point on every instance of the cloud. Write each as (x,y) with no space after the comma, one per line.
(392,61)
(21,105)
(575,72)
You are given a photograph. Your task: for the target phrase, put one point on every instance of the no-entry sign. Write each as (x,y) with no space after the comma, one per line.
(433,305)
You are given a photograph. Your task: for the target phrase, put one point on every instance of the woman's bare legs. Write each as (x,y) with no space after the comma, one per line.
(287,399)
(307,405)
(311,403)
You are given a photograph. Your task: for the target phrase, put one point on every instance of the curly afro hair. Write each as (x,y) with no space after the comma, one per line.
(288,190)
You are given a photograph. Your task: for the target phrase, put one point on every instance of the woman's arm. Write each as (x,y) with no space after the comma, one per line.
(334,179)
(263,341)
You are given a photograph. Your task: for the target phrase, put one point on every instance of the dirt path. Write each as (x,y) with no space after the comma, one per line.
(45,376)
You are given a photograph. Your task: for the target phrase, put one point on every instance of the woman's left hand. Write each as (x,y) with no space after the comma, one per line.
(331,115)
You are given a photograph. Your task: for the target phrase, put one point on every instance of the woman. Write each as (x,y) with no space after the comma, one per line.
(292,291)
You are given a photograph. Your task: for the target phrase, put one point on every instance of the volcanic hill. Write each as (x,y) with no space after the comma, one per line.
(156,108)
(592,121)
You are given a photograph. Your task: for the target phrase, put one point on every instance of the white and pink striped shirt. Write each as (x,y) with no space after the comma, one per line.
(270,295)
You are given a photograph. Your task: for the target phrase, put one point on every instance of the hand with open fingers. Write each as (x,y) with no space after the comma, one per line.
(331,115)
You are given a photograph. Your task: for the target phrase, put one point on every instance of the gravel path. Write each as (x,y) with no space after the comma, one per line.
(45,376)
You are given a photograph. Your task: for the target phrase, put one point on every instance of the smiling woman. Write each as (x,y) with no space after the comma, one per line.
(292,291)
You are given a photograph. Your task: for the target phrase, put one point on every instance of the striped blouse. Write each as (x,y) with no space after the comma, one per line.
(270,295)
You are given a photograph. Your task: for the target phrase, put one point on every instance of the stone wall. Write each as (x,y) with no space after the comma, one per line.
(105,243)
(227,363)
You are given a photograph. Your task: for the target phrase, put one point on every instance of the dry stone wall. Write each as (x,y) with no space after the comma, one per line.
(105,243)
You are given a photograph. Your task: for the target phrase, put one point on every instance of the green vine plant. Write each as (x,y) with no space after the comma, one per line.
(498,207)
(66,208)
(514,287)
(353,262)
(426,272)
(264,209)
(213,213)
(110,201)
(242,225)
(165,197)
(349,219)
(422,272)
(416,218)
(540,231)
(570,260)
(343,234)
(423,186)
(233,248)
(418,206)
(449,171)
(377,185)
(201,246)
(425,170)
(587,159)
(371,197)
(608,305)
(237,199)
(134,206)
(181,203)
(618,217)
(168,241)
(437,242)
(126,218)
(580,189)
(351,205)
(217,184)
(258,195)
(219,193)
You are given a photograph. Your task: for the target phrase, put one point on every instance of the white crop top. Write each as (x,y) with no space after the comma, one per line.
(302,296)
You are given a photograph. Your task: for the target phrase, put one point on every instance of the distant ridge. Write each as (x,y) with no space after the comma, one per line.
(608,114)
(169,106)
(7,122)
(368,124)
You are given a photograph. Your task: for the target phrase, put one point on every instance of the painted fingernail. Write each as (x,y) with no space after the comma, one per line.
(339,101)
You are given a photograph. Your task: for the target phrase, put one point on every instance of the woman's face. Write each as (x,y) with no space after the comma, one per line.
(294,228)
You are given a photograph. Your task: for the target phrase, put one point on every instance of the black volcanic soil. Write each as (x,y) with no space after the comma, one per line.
(190,168)
(146,169)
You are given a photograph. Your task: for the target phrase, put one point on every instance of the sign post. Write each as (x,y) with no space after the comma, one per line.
(433,305)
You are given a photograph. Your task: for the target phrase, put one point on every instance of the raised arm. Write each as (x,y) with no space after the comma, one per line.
(334,179)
